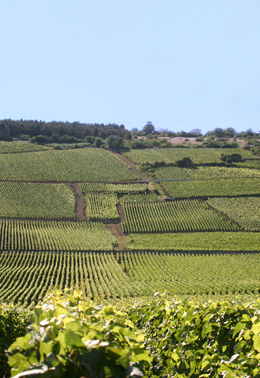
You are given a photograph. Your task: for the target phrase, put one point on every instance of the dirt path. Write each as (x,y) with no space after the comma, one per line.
(80,203)
(115,229)
(131,165)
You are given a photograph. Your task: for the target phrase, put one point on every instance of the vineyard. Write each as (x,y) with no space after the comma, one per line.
(177,216)
(197,241)
(212,188)
(28,235)
(13,147)
(80,165)
(245,210)
(171,155)
(114,188)
(87,219)
(34,200)
(25,277)
(204,173)
(102,206)
(193,274)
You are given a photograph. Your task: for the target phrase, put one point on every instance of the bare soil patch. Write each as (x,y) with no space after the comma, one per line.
(115,230)
(80,203)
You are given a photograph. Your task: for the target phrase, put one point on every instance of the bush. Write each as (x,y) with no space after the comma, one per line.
(231,158)
(185,162)
(72,337)
(13,323)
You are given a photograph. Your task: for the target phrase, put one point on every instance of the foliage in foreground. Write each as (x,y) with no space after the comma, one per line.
(13,323)
(165,337)
(74,337)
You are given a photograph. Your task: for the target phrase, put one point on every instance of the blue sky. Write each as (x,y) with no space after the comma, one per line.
(182,64)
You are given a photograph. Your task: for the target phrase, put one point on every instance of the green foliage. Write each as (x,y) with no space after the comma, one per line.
(197,155)
(196,241)
(213,188)
(34,200)
(114,188)
(243,210)
(74,337)
(13,147)
(205,173)
(163,337)
(13,324)
(115,143)
(231,158)
(176,216)
(25,277)
(200,339)
(102,206)
(193,274)
(140,198)
(27,235)
(78,165)
(185,162)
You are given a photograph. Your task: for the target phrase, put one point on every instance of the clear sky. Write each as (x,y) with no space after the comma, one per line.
(181,64)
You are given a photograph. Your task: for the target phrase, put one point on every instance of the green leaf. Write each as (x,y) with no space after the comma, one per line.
(72,339)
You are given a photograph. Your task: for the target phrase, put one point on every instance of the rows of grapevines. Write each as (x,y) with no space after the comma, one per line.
(19,146)
(177,216)
(34,200)
(196,241)
(140,198)
(25,277)
(193,274)
(114,188)
(244,210)
(197,155)
(80,165)
(202,173)
(212,188)
(102,206)
(28,235)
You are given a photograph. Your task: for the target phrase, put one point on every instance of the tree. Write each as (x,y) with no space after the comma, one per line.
(115,143)
(148,128)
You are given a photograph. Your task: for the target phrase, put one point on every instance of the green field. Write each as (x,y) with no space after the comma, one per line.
(27,235)
(212,188)
(176,216)
(102,206)
(114,188)
(25,277)
(192,274)
(80,165)
(196,241)
(34,200)
(204,173)
(197,155)
(245,210)
(19,146)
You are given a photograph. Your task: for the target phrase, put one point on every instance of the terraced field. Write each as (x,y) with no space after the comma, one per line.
(177,216)
(196,241)
(27,235)
(213,188)
(134,242)
(197,155)
(34,200)
(80,165)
